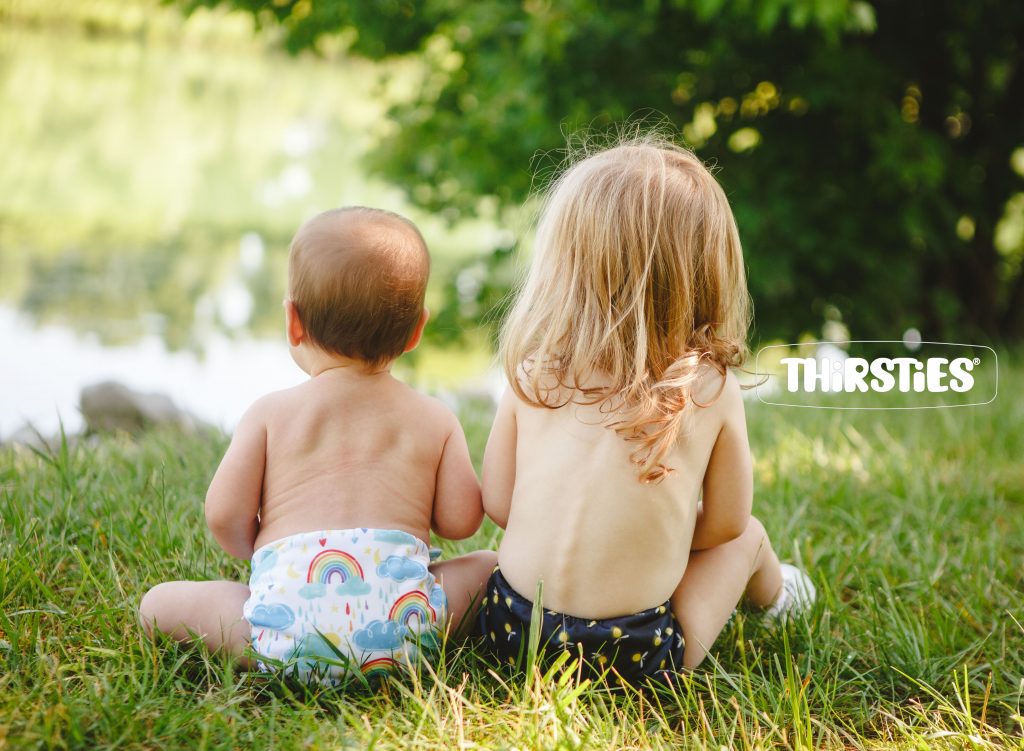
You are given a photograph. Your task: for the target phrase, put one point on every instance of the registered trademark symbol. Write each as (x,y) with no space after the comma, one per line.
(977,361)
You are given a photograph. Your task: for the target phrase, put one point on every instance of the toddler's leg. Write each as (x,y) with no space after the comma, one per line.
(714,582)
(463,580)
(211,610)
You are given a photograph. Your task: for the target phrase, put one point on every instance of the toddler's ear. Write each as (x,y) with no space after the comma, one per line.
(417,334)
(293,324)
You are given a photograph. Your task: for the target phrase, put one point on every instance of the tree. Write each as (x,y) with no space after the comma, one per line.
(873,153)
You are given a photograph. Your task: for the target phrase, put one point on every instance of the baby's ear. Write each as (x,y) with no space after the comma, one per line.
(293,324)
(417,333)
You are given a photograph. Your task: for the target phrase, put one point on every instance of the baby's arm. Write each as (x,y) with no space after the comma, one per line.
(728,481)
(499,475)
(457,509)
(233,500)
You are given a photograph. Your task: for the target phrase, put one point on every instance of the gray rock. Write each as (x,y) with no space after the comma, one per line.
(113,406)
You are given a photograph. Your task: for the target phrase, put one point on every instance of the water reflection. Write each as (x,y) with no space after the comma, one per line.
(42,369)
(154,172)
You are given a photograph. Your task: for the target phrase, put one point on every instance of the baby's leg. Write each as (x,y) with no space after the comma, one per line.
(714,582)
(464,580)
(209,610)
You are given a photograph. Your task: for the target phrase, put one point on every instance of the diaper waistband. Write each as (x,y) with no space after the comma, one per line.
(347,537)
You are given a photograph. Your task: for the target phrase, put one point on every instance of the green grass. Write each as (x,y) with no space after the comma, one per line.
(910,523)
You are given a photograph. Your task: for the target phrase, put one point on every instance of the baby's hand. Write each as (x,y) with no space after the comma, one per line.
(458,510)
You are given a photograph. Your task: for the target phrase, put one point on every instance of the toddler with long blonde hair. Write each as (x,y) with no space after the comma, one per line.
(618,463)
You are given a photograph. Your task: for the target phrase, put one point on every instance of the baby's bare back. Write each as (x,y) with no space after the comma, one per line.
(345,452)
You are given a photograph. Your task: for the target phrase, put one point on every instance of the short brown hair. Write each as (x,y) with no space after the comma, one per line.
(358,278)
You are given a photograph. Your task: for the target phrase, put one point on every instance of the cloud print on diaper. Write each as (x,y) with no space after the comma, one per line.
(438,599)
(380,635)
(400,568)
(312,591)
(274,616)
(394,535)
(353,587)
(261,565)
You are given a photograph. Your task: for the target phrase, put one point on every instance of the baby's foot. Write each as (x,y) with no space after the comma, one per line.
(797,595)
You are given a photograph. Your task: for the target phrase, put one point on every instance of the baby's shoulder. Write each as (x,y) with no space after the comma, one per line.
(426,408)
(272,404)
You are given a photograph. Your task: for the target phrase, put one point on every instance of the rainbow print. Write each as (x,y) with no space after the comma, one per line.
(336,564)
(380,667)
(412,604)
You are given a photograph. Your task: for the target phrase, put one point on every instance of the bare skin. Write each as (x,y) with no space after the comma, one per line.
(577,518)
(351,447)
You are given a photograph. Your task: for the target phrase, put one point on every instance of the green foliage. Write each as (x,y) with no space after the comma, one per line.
(868,149)
(477,292)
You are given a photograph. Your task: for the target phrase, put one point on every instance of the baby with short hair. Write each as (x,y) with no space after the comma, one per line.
(331,488)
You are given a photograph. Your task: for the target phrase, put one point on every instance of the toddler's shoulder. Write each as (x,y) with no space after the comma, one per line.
(712,387)
(732,392)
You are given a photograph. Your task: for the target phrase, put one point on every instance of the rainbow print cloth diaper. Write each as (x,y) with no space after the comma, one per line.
(327,605)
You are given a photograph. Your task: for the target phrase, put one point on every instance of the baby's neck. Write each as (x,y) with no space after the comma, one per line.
(318,363)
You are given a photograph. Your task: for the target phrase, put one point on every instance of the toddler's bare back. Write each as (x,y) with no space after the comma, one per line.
(603,543)
(347,450)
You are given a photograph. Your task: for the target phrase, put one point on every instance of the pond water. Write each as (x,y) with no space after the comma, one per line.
(154,171)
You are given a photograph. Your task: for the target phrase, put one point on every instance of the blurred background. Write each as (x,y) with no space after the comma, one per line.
(159,156)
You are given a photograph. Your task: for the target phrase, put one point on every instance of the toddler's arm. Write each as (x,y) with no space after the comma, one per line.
(499,475)
(457,509)
(233,500)
(728,481)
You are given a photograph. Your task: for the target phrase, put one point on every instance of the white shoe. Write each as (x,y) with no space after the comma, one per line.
(796,596)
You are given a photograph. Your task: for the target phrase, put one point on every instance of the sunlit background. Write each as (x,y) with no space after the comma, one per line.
(159,155)
(154,171)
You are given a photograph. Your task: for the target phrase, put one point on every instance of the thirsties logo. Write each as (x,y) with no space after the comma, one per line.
(878,376)
(881,374)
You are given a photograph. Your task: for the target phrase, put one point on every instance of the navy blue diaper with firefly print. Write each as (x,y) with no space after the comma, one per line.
(635,649)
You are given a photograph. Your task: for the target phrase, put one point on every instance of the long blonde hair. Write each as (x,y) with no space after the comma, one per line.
(637,277)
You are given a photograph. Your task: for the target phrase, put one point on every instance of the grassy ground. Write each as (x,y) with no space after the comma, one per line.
(910,523)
